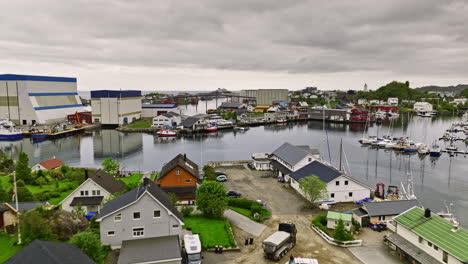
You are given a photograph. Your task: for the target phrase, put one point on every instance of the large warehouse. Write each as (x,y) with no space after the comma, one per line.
(265,96)
(27,99)
(115,108)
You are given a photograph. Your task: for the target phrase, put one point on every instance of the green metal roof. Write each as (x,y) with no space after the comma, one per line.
(337,216)
(437,230)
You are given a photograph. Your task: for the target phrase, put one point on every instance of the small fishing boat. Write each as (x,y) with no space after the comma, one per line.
(393,114)
(39,135)
(390,145)
(10,134)
(211,129)
(409,149)
(426,114)
(423,149)
(242,129)
(166,133)
(281,121)
(452,148)
(367,141)
(434,151)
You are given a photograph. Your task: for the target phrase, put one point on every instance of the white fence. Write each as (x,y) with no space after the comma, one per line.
(330,240)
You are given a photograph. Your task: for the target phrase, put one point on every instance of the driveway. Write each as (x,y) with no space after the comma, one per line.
(368,254)
(244,223)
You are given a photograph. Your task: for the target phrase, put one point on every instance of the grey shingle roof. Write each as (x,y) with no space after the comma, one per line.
(290,153)
(23,206)
(50,252)
(280,167)
(389,207)
(325,172)
(133,195)
(108,182)
(149,250)
(182,161)
(86,200)
(189,122)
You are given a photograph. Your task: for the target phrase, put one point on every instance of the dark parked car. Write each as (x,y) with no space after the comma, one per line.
(233,194)
(218,173)
(221,178)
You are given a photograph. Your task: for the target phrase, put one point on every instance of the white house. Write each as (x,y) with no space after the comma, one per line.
(423,237)
(340,187)
(458,101)
(392,101)
(382,211)
(288,158)
(261,161)
(334,217)
(362,101)
(51,164)
(152,110)
(169,119)
(93,192)
(422,107)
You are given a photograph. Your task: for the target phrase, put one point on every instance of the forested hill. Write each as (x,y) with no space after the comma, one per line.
(432,88)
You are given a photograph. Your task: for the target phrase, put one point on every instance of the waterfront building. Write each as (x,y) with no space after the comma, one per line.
(116,108)
(170,119)
(362,101)
(267,96)
(152,110)
(261,108)
(180,176)
(423,107)
(382,211)
(144,212)
(392,101)
(28,99)
(423,237)
(334,217)
(288,158)
(51,164)
(93,192)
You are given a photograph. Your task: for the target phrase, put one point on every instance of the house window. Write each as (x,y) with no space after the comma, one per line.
(188,181)
(175,226)
(177,172)
(436,247)
(445,257)
(337,183)
(98,192)
(136,216)
(111,233)
(310,159)
(156,213)
(332,195)
(84,193)
(118,217)
(346,182)
(138,231)
(350,194)
(420,240)
(429,243)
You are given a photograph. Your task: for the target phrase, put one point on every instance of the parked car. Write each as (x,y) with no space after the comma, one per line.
(233,194)
(218,173)
(221,178)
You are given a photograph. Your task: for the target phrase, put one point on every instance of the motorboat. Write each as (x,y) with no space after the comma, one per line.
(426,114)
(281,121)
(390,145)
(10,134)
(452,148)
(434,151)
(211,129)
(242,129)
(393,114)
(166,133)
(383,143)
(367,141)
(409,149)
(423,149)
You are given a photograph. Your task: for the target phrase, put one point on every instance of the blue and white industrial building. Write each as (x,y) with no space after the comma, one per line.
(115,108)
(28,99)
(153,110)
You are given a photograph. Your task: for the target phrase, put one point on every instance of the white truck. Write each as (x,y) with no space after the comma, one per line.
(192,249)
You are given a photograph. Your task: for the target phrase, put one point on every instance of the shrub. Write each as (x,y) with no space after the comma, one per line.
(42,196)
(34,226)
(209,173)
(41,181)
(228,229)
(240,202)
(55,194)
(320,222)
(64,169)
(89,243)
(49,179)
(255,208)
(186,210)
(356,226)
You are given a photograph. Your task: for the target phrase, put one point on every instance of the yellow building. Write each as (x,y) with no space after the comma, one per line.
(261,108)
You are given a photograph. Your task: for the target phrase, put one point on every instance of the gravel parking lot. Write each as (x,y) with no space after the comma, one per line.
(286,206)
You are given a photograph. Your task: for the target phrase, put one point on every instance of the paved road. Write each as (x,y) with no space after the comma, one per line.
(376,253)
(244,223)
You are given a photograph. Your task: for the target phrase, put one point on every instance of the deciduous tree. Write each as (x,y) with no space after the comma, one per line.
(23,171)
(313,188)
(89,243)
(110,166)
(211,199)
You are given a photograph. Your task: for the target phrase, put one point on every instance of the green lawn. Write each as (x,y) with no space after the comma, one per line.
(246,212)
(134,178)
(5,182)
(212,231)
(7,246)
(154,176)
(140,124)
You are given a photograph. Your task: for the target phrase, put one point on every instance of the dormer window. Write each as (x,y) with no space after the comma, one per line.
(177,172)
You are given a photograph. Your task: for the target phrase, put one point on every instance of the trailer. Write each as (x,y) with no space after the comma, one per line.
(279,243)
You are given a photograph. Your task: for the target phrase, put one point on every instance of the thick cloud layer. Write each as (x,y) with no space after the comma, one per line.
(329,43)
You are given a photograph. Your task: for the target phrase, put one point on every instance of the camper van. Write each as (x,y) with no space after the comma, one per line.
(192,249)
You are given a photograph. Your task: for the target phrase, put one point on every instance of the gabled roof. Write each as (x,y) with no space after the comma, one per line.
(133,195)
(290,154)
(338,216)
(323,171)
(86,200)
(189,122)
(150,250)
(50,252)
(23,206)
(182,161)
(310,150)
(389,207)
(436,230)
(108,182)
(52,163)
(280,167)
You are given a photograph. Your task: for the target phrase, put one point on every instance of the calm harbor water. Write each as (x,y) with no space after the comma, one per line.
(436,181)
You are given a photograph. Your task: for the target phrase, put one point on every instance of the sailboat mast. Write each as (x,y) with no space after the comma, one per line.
(341,152)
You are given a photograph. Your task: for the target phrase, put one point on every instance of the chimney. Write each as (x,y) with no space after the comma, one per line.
(86,174)
(427,213)
(185,157)
(146,182)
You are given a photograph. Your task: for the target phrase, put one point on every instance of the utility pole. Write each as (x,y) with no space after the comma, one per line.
(17,207)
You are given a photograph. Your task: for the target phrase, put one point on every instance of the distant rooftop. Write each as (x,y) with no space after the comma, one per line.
(115,93)
(16,77)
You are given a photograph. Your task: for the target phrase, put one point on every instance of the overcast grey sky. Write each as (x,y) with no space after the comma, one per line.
(242,44)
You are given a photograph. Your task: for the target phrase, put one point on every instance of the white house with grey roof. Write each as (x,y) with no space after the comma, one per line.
(144,212)
(288,158)
(382,211)
(169,119)
(340,187)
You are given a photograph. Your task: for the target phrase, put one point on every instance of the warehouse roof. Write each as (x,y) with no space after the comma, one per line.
(290,154)
(389,207)
(115,93)
(436,230)
(323,171)
(16,77)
